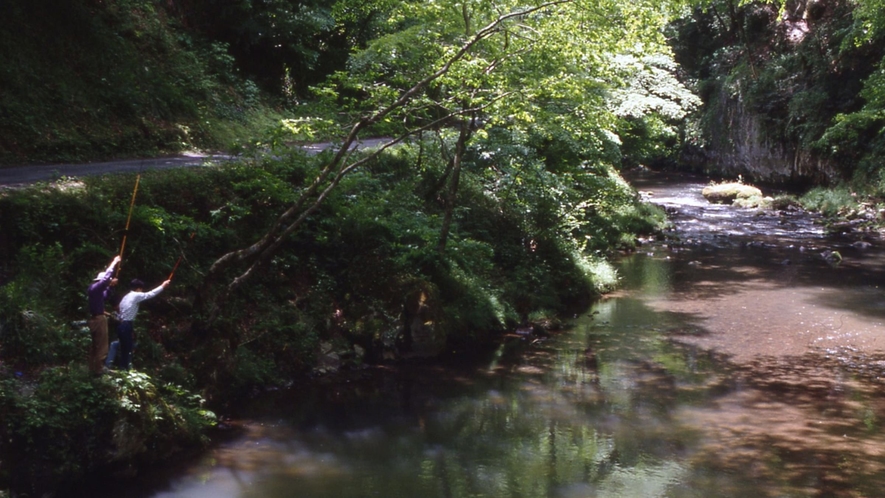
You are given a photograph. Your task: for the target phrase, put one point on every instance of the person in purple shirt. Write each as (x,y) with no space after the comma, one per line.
(98,321)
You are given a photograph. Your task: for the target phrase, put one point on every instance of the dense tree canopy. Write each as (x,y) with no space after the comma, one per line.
(545,74)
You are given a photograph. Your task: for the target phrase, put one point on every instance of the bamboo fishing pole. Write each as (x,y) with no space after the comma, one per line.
(128,218)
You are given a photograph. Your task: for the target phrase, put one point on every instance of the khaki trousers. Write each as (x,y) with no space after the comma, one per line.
(98,325)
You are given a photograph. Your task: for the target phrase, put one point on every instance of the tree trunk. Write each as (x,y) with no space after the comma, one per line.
(451,197)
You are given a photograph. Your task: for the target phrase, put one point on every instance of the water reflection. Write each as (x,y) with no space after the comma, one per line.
(718,370)
(614,409)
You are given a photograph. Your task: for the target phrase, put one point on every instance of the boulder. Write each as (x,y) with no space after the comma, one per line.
(754,202)
(727,193)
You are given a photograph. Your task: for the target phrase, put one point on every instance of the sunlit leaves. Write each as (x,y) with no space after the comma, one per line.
(306,129)
(543,65)
(652,88)
(539,70)
(869,18)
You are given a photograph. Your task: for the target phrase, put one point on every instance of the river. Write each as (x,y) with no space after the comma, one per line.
(738,359)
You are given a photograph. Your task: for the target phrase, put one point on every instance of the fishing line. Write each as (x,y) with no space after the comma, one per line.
(179,258)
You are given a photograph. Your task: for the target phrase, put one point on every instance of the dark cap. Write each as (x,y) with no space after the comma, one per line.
(136,284)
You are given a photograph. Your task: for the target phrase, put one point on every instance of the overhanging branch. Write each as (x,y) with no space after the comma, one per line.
(338,166)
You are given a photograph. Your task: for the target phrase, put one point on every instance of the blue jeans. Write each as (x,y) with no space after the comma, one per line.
(112,353)
(125,332)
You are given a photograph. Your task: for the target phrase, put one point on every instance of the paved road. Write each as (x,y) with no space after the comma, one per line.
(18,176)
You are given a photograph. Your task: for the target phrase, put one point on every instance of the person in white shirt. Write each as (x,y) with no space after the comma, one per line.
(128,310)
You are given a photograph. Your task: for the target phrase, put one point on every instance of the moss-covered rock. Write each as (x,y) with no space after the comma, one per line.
(756,201)
(728,193)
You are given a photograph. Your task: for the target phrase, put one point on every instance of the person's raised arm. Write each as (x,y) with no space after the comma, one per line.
(114,263)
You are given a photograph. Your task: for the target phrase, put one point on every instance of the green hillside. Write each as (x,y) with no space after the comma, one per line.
(85,80)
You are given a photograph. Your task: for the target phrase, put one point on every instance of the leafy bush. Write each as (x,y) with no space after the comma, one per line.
(65,423)
(155,419)
(829,201)
(57,426)
(31,332)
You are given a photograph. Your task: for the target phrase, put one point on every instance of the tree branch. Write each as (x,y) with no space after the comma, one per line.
(263,248)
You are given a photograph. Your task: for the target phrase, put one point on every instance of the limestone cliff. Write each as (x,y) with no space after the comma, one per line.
(738,143)
(773,83)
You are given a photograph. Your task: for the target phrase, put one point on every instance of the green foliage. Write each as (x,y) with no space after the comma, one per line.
(531,73)
(829,201)
(31,305)
(808,78)
(87,80)
(532,224)
(651,107)
(65,423)
(57,426)
(279,40)
(856,136)
(842,116)
(157,417)
(869,22)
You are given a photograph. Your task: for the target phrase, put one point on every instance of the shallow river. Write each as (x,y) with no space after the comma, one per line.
(736,361)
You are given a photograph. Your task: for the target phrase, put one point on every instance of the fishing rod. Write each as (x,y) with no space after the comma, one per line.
(129,218)
(180,258)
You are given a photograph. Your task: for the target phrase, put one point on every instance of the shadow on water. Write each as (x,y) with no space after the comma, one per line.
(806,425)
(720,369)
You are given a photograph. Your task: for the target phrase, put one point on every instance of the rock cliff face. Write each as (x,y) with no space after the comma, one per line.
(772,83)
(738,144)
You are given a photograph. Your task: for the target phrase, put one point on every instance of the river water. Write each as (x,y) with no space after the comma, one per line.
(736,360)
